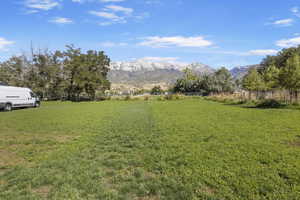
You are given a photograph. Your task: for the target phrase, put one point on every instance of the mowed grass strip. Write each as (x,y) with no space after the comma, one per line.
(186,149)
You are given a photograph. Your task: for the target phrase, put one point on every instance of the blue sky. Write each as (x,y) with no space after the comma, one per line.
(214,32)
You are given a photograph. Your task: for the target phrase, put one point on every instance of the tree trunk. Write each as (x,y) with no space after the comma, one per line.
(291,96)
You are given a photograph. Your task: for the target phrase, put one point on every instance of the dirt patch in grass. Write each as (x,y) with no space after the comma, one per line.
(207,190)
(42,191)
(8,158)
(35,139)
(295,143)
(2,182)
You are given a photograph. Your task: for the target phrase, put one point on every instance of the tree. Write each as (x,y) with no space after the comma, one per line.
(156,90)
(224,81)
(253,82)
(85,72)
(279,60)
(12,71)
(46,72)
(290,76)
(188,84)
(271,78)
(95,68)
(190,75)
(55,75)
(219,82)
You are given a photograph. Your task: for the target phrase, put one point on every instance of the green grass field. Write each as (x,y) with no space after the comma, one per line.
(149,150)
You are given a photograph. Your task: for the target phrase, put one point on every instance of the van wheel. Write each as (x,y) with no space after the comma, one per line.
(8,107)
(37,104)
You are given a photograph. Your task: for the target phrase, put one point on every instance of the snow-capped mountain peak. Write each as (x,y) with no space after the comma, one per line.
(142,65)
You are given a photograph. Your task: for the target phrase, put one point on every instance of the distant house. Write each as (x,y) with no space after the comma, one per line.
(3,84)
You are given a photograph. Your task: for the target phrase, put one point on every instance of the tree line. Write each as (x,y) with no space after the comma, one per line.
(276,73)
(220,81)
(69,74)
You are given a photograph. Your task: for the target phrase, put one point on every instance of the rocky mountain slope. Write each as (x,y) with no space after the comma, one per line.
(145,74)
(240,72)
(139,73)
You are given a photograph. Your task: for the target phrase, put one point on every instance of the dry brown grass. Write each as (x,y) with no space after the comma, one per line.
(206,190)
(295,143)
(8,159)
(42,191)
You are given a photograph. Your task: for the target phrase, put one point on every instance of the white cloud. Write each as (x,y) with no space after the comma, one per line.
(112,44)
(285,43)
(179,41)
(256,52)
(116,8)
(262,52)
(296,11)
(114,14)
(108,15)
(41,4)
(284,22)
(4,43)
(61,20)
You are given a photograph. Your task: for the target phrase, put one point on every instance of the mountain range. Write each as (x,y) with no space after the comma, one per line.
(145,74)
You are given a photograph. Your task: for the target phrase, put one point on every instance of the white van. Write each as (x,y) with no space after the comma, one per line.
(17,97)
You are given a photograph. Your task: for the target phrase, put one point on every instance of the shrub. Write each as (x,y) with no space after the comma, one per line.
(100,96)
(176,96)
(156,90)
(269,103)
(146,98)
(127,98)
(169,97)
(160,98)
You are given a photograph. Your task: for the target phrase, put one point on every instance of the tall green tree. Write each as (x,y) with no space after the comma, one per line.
(46,72)
(290,76)
(188,83)
(85,72)
(224,81)
(271,78)
(12,71)
(95,68)
(253,82)
(279,60)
